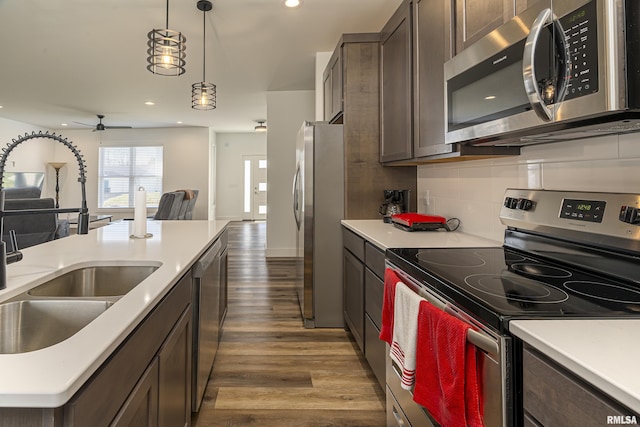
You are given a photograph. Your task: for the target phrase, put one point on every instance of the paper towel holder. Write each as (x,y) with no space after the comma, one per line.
(143,201)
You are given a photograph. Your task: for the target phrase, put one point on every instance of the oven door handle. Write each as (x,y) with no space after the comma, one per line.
(528,66)
(484,343)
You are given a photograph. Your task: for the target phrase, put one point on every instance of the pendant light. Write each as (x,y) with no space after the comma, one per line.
(166,51)
(203,94)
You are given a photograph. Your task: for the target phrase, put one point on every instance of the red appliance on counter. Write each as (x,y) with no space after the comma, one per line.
(411,221)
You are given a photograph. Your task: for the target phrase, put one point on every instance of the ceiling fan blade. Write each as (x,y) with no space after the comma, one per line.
(84,124)
(118,127)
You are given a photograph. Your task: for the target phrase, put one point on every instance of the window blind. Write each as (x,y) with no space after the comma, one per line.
(122,170)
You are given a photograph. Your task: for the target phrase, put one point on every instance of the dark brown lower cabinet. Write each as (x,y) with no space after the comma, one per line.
(553,396)
(363,266)
(174,374)
(354,296)
(141,408)
(146,381)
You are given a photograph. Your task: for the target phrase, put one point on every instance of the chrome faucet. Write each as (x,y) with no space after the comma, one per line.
(83,216)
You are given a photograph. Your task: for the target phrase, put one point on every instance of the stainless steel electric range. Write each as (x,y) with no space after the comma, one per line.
(565,254)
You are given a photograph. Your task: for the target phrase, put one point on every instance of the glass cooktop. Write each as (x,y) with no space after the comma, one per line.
(498,284)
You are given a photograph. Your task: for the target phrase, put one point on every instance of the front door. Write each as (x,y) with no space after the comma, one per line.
(255,187)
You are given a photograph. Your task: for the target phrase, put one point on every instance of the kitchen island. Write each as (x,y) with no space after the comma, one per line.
(50,377)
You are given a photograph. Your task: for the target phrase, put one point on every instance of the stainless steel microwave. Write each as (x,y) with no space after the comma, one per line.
(562,69)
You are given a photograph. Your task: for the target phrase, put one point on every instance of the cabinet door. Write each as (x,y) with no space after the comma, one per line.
(431,49)
(326,90)
(522,5)
(174,391)
(141,407)
(354,296)
(475,19)
(396,87)
(336,85)
(332,86)
(555,397)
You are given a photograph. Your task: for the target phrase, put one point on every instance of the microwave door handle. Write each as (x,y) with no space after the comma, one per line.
(528,66)
(563,83)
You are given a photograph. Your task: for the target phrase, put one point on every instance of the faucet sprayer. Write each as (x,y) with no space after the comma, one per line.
(83,217)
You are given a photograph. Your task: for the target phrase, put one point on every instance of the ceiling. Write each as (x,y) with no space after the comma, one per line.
(66,61)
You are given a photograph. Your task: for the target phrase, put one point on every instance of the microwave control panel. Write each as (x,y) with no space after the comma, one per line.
(582,40)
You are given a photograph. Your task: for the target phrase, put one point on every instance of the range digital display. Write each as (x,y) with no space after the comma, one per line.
(583,210)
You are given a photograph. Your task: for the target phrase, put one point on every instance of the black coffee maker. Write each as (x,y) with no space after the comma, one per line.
(395,201)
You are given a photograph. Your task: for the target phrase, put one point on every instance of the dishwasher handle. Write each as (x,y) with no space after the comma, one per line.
(206,260)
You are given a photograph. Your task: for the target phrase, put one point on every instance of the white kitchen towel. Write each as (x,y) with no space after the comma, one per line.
(405,332)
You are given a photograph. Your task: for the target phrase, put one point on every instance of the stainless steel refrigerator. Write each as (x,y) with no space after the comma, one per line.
(318,207)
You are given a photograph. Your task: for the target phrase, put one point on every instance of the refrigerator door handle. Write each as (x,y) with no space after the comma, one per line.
(296,201)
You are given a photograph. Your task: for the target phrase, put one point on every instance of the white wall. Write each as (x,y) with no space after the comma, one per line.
(30,156)
(285,111)
(186,163)
(474,191)
(230,170)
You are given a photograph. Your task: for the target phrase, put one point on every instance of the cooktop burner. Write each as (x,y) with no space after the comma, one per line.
(499,284)
(515,288)
(540,270)
(451,258)
(604,291)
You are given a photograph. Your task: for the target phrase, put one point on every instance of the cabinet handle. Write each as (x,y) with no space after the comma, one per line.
(397,417)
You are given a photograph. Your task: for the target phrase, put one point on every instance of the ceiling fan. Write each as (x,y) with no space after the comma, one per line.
(100,127)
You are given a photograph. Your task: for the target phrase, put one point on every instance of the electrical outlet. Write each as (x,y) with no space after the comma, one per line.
(425,198)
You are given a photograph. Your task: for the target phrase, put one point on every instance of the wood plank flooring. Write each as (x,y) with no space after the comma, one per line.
(270,370)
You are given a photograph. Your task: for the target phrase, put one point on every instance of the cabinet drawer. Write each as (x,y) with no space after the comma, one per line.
(374,350)
(354,243)
(373,297)
(374,259)
(555,397)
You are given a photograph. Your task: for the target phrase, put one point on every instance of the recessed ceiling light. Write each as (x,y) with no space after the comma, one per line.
(0,106)
(179,122)
(490,97)
(149,103)
(292,3)
(63,124)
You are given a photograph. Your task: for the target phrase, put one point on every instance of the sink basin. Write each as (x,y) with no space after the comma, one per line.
(103,281)
(33,325)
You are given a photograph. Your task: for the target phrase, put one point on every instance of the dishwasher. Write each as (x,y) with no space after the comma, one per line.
(206,306)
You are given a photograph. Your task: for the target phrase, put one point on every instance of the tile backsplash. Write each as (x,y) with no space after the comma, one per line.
(473,191)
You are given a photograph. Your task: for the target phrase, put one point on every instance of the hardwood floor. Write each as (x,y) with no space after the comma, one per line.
(270,370)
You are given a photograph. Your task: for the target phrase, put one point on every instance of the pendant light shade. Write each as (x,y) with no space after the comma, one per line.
(166,51)
(203,94)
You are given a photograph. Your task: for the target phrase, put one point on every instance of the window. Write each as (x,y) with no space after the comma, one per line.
(122,170)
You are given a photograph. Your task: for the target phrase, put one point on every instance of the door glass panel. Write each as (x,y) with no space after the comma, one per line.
(247,186)
(488,91)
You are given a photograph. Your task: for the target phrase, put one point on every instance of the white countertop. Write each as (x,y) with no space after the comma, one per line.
(385,236)
(604,352)
(50,376)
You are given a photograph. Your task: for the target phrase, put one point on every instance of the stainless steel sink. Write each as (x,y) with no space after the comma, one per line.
(103,281)
(35,324)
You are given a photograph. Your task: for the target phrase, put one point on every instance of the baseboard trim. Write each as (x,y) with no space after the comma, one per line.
(280,253)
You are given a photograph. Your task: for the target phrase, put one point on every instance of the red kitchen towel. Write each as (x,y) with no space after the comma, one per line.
(391,279)
(447,380)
